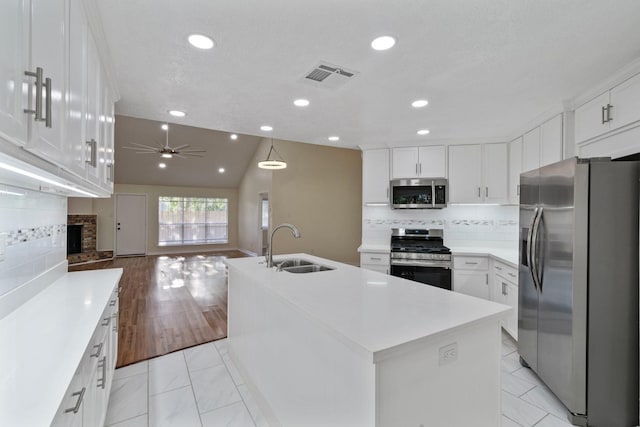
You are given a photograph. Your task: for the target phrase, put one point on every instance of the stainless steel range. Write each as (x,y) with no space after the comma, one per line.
(420,254)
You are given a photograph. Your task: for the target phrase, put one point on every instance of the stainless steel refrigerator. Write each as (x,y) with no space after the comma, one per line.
(578,286)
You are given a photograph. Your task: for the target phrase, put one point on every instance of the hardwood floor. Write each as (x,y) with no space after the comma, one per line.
(168,303)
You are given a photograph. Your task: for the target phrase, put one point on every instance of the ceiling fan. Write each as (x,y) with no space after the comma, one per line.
(166,151)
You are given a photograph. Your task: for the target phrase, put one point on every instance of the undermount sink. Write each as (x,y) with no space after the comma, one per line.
(301,266)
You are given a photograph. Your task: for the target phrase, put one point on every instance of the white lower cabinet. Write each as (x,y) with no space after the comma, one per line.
(375,261)
(471,275)
(86,399)
(505,291)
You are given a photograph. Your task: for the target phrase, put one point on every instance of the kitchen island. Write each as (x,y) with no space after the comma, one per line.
(353,347)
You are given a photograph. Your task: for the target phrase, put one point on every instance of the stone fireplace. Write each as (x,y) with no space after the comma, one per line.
(82,240)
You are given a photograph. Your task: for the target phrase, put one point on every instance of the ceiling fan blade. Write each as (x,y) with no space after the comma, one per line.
(141,146)
(190,150)
(146,152)
(190,154)
(180,147)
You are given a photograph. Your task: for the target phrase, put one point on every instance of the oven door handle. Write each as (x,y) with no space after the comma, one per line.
(417,263)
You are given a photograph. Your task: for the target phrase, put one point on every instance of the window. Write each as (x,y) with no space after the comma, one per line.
(192,221)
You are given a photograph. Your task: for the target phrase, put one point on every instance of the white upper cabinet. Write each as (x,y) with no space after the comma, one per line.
(48,51)
(478,173)
(515,169)
(14,61)
(531,150)
(495,173)
(419,162)
(625,103)
(465,174)
(542,146)
(611,110)
(375,176)
(50,67)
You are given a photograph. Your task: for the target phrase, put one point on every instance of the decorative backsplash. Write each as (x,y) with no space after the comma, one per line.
(24,235)
(468,223)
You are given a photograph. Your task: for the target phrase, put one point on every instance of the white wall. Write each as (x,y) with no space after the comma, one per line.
(33,228)
(463,224)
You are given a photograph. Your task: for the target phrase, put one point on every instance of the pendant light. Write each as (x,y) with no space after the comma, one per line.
(270,163)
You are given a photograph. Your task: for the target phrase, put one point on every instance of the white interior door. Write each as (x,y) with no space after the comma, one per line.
(131,224)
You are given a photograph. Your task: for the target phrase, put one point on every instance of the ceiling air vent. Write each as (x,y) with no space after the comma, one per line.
(328,75)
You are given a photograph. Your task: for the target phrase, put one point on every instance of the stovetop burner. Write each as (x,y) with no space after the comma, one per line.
(422,241)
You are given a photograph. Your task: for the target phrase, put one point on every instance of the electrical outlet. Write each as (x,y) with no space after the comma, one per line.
(448,354)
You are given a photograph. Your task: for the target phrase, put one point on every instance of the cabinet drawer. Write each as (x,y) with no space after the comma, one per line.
(470,263)
(373,258)
(506,271)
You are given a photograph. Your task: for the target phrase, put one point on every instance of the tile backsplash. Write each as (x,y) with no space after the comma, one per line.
(467,223)
(33,236)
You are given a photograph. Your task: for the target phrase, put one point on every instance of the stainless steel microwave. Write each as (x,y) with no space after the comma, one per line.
(419,193)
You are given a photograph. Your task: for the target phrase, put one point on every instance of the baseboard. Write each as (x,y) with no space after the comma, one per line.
(247,252)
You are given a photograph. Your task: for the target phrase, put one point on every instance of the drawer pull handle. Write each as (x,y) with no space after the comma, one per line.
(97,353)
(112,303)
(470,263)
(376,259)
(105,321)
(512,275)
(102,365)
(76,408)
(498,268)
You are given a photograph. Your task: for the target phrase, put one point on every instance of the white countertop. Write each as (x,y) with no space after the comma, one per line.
(42,343)
(377,313)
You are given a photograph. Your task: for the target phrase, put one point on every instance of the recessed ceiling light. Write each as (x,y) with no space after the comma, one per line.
(177,113)
(334,138)
(383,43)
(266,128)
(233,136)
(162,165)
(301,102)
(200,41)
(423,132)
(419,103)
(221,170)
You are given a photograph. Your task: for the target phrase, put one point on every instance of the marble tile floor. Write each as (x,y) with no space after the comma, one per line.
(201,387)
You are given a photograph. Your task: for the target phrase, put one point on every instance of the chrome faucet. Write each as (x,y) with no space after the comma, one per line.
(296,234)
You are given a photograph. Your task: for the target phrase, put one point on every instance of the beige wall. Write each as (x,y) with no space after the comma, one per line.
(254,182)
(320,192)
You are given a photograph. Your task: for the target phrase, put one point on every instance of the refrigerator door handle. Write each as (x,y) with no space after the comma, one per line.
(534,255)
(529,247)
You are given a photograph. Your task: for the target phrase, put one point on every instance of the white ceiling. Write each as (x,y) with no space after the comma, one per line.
(221,152)
(487,67)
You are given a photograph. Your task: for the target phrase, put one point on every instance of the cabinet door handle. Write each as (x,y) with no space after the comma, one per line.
(478,191)
(47,119)
(102,364)
(609,117)
(112,302)
(115,322)
(97,353)
(76,408)
(92,147)
(486,282)
(105,321)
(420,168)
(604,110)
(110,172)
(416,169)
(486,191)
(39,75)
(504,288)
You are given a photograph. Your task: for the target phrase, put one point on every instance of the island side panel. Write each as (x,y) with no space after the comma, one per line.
(417,389)
(302,374)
